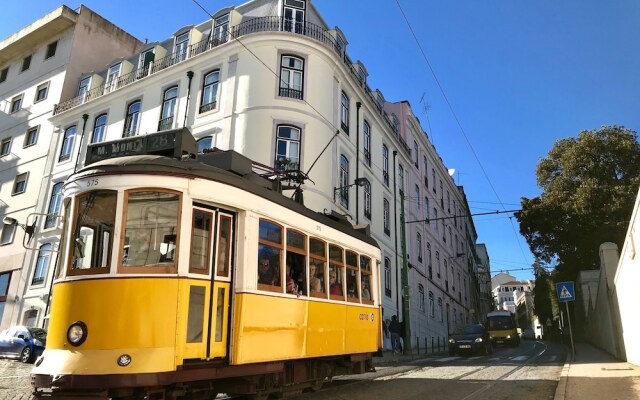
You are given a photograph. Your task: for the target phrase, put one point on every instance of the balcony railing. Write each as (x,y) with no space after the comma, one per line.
(293,93)
(165,124)
(207,107)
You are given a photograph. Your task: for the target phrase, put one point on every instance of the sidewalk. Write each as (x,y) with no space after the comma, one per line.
(595,374)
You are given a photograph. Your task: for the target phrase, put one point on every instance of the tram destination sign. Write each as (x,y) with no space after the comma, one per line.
(173,143)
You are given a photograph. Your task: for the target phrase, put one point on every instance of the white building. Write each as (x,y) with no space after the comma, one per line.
(39,65)
(270,80)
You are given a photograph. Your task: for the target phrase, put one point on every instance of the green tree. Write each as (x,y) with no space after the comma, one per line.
(543,294)
(589,185)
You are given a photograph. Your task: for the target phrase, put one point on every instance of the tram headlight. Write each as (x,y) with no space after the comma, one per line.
(77,333)
(478,340)
(452,340)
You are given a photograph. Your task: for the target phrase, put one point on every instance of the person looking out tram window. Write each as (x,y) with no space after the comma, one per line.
(292,286)
(268,273)
(334,286)
(315,283)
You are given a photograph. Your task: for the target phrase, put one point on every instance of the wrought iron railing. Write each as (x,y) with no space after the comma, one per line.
(292,93)
(165,124)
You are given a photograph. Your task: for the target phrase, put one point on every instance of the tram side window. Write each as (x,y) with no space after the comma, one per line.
(353,294)
(270,256)
(365,276)
(336,267)
(93,232)
(317,267)
(296,263)
(60,267)
(224,245)
(150,233)
(200,241)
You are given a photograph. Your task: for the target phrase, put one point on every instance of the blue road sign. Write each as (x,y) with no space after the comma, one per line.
(565,291)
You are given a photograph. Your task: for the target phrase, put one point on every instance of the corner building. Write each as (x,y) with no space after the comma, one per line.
(270,80)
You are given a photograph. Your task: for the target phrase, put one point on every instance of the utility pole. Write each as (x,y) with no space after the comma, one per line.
(405,280)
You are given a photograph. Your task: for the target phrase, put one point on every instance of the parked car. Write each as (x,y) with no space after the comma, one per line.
(23,343)
(528,334)
(473,339)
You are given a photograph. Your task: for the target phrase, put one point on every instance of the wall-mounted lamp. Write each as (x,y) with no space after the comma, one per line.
(356,182)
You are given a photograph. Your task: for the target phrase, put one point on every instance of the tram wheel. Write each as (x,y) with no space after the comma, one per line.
(316,386)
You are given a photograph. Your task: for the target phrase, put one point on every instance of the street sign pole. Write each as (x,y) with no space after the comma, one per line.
(573,349)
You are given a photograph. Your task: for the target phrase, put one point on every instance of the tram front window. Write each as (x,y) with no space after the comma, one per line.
(151,227)
(93,232)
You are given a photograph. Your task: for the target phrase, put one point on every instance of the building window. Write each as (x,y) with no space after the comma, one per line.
(438,263)
(395,124)
(131,122)
(67,143)
(417,190)
(41,92)
(8,232)
(379,101)
(344,113)
(385,164)
(421,297)
(112,77)
(5,147)
(3,74)
(99,127)
(287,148)
(419,246)
(387,277)
(429,260)
(426,209)
(441,195)
(294,15)
(168,109)
(344,181)
(220,29)
(209,91)
(5,279)
(51,50)
(204,144)
(42,264)
(431,305)
(385,216)
(54,205)
(20,183)
(433,178)
(291,77)
(367,142)
(401,178)
(16,104)
(83,87)
(181,46)
(367,200)
(31,137)
(415,153)
(144,61)
(435,218)
(426,175)
(440,315)
(26,63)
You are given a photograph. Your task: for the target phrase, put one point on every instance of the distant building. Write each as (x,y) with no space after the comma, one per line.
(39,66)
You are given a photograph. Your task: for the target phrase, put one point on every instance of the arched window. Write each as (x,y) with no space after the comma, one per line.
(99,127)
(291,77)
(344,181)
(367,200)
(287,148)
(366,129)
(54,205)
(42,264)
(204,144)
(387,276)
(208,99)
(385,164)
(67,143)
(385,216)
(168,109)
(344,113)
(131,122)
(421,297)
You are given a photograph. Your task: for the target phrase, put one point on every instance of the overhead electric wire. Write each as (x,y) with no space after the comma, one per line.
(455,116)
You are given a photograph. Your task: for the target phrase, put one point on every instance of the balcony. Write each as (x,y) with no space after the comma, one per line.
(165,124)
(255,25)
(292,93)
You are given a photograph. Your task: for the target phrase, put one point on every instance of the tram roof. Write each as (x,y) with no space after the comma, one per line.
(193,168)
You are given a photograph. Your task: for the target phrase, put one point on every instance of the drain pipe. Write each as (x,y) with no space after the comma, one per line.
(186,106)
(395,229)
(84,125)
(358,105)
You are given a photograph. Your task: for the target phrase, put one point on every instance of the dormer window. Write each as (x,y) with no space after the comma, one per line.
(294,15)
(181,47)
(83,87)
(395,124)
(361,75)
(220,29)
(379,101)
(146,58)
(112,77)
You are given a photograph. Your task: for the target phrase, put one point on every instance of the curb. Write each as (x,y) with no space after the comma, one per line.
(561,390)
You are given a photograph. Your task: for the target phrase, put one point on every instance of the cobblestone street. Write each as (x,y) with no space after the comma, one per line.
(15,382)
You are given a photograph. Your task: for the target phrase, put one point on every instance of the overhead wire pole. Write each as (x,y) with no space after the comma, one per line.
(405,281)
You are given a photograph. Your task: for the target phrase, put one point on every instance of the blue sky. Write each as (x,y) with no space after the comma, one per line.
(519,75)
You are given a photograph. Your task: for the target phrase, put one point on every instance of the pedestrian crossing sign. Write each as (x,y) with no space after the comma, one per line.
(565,291)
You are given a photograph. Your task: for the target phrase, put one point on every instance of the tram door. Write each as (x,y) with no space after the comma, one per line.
(211,255)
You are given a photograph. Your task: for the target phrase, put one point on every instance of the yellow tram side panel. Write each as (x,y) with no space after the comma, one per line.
(134,316)
(268,328)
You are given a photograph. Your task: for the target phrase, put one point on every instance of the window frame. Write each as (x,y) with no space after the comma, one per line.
(39,89)
(14,191)
(6,143)
(31,133)
(343,181)
(366,189)
(366,141)
(385,217)
(169,105)
(287,88)
(353,268)
(132,119)
(68,141)
(320,258)
(55,204)
(421,304)
(282,162)
(11,234)
(387,277)
(51,50)
(4,73)
(281,248)
(102,128)
(344,112)
(16,104)
(26,63)
(41,268)
(337,263)
(213,88)
(385,164)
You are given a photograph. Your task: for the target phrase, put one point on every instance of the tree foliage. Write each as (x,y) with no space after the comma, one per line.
(543,294)
(589,185)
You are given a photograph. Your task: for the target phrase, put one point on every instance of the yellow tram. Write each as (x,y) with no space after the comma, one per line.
(181,279)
